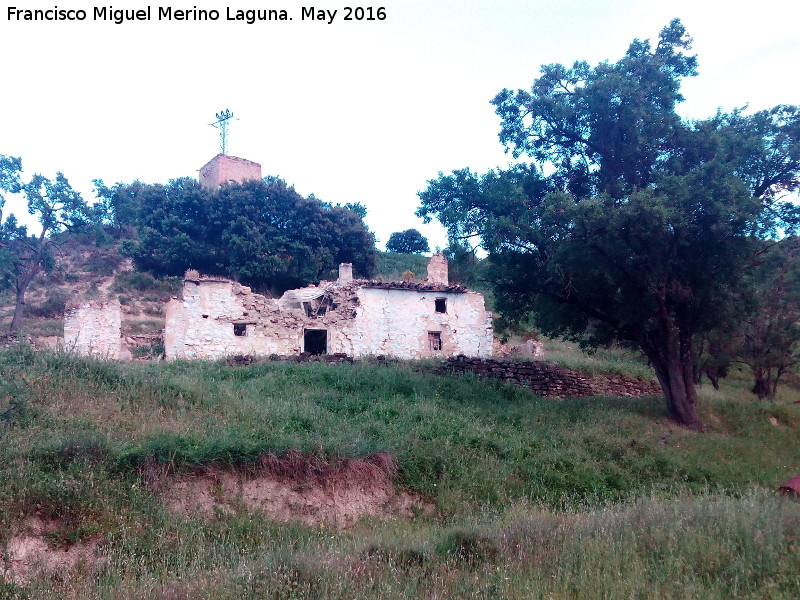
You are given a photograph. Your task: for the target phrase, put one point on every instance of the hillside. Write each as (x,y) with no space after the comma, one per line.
(84,270)
(201,480)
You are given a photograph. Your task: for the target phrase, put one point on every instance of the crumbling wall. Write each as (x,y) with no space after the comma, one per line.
(218,317)
(205,322)
(397,322)
(93,329)
(437,270)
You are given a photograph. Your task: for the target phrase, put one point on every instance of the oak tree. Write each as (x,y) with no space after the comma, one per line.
(262,233)
(631,224)
(57,207)
(409,241)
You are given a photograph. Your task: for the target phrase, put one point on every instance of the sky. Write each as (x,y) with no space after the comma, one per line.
(350,111)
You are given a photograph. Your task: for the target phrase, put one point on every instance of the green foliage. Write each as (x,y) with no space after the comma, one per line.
(119,206)
(57,207)
(262,233)
(51,308)
(161,288)
(597,498)
(644,228)
(390,266)
(409,241)
(770,336)
(104,261)
(469,547)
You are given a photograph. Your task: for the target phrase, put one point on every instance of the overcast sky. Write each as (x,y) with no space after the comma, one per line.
(349,111)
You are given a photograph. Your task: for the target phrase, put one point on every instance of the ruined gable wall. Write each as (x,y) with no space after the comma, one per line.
(201,324)
(93,329)
(397,322)
(359,321)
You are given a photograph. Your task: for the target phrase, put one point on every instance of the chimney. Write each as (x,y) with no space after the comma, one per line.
(345,273)
(437,269)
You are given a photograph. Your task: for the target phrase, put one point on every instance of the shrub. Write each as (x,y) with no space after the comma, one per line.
(52,307)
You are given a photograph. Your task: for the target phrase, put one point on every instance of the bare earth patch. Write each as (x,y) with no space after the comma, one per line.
(294,488)
(29,553)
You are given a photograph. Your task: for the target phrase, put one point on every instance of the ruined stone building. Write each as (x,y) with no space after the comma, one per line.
(217,317)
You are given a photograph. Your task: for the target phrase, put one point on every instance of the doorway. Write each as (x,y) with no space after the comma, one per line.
(315,341)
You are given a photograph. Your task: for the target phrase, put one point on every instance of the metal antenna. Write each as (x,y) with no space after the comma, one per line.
(222,124)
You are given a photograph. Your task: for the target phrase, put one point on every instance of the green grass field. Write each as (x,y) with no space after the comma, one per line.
(531,498)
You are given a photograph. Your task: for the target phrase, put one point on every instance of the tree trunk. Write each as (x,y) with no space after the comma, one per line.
(670,353)
(19,309)
(763,383)
(713,376)
(21,286)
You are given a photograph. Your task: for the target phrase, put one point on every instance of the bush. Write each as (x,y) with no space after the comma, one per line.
(51,308)
(161,288)
(104,262)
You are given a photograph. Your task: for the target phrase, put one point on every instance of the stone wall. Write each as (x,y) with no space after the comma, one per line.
(552,381)
(93,329)
(225,169)
(217,317)
(437,270)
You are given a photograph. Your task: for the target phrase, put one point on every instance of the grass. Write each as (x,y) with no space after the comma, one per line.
(390,266)
(43,327)
(141,326)
(534,498)
(605,360)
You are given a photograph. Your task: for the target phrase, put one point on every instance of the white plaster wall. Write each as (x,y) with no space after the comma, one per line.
(201,325)
(397,322)
(386,321)
(93,329)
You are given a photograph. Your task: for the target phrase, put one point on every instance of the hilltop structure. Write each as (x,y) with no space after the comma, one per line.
(228,169)
(217,317)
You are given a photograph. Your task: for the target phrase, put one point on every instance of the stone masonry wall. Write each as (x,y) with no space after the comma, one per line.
(552,381)
(93,329)
(224,169)
(360,318)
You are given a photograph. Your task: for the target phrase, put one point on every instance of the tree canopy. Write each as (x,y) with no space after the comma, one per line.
(631,224)
(262,233)
(409,241)
(56,206)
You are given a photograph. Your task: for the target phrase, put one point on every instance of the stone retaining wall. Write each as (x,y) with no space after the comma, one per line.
(552,381)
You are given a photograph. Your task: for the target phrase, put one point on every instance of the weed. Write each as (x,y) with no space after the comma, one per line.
(535,498)
(51,308)
(469,547)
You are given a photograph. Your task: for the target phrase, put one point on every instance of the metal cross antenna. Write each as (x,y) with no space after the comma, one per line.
(222,124)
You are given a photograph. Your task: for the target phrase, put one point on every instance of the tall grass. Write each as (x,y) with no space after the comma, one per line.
(600,497)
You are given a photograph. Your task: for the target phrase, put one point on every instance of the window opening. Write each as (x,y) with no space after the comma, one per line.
(315,341)
(240,329)
(441,305)
(435,340)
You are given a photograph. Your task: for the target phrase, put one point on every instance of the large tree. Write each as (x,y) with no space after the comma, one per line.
(262,233)
(409,241)
(57,207)
(632,224)
(770,335)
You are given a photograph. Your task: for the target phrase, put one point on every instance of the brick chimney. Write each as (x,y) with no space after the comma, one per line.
(437,270)
(345,273)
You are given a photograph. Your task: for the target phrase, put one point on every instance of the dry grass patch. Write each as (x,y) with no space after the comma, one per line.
(30,552)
